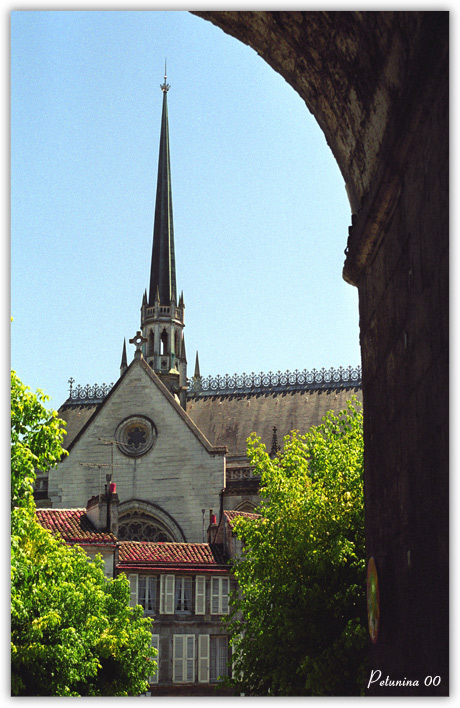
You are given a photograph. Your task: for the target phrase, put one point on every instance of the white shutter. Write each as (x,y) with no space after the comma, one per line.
(155,643)
(133,587)
(203,658)
(167,594)
(200,595)
(178,657)
(183,658)
(224,596)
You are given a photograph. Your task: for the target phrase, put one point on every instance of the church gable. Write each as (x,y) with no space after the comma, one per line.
(142,439)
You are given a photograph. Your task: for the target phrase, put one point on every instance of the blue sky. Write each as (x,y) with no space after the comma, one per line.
(261,214)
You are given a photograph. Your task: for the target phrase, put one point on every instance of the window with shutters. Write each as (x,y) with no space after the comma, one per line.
(143,592)
(219,596)
(183,658)
(155,643)
(183,595)
(218,658)
(147,593)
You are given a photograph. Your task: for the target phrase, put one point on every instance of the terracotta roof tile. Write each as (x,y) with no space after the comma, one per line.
(184,555)
(232,515)
(74,526)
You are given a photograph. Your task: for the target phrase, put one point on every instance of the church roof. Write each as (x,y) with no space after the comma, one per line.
(230,419)
(140,555)
(74,527)
(227,417)
(163,267)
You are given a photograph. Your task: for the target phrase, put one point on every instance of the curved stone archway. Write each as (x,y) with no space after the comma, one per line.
(144,521)
(378,85)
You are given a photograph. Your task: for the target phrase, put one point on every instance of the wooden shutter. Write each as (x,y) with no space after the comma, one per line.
(167,594)
(133,583)
(203,658)
(224,596)
(183,658)
(200,595)
(155,643)
(178,657)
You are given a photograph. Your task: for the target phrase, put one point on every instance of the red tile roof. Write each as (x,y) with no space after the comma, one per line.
(137,555)
(231,515)
(74,527)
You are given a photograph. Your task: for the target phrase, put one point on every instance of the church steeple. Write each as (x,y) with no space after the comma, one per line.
(162,318)
(163,267)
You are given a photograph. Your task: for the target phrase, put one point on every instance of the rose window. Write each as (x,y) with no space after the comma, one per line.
(135,436)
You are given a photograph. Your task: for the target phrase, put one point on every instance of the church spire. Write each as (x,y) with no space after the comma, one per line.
(162,317)
(163,266)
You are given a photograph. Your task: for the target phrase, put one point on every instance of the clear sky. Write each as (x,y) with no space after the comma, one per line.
(261,213)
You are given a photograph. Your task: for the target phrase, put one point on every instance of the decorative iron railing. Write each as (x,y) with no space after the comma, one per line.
(348,377)
(88,394)
(240,384)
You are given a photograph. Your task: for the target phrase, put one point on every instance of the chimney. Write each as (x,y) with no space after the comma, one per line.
(102,510)
(212,528)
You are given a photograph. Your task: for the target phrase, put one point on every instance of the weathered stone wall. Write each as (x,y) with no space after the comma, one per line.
(377,83)
(404,337)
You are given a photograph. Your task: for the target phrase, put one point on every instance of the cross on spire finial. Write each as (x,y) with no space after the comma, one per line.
(165,86)
(138,340)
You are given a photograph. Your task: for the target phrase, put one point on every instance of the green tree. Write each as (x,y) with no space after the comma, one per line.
(72,630)
(298,622)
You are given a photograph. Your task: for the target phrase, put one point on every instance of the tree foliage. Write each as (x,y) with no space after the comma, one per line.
(36,440)
(298,621)
(72,630)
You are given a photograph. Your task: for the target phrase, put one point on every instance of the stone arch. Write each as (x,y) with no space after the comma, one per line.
(377,83)
(144,521)
(246,505)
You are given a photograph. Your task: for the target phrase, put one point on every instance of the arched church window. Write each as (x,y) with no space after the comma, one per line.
(151,343)
(140,526)
(164,342)
(246,506)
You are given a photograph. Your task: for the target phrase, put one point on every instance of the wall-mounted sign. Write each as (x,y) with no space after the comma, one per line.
(373,600)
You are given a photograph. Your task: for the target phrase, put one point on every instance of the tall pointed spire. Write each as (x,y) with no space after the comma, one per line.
(163,267)
(162,317)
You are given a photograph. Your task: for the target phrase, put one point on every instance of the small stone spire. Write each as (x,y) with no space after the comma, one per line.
(124,359)
(197,374)
(275,447)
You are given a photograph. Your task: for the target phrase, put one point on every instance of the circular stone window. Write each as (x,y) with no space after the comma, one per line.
(135,436)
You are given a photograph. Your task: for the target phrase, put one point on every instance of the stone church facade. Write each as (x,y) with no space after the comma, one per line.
(157,468)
